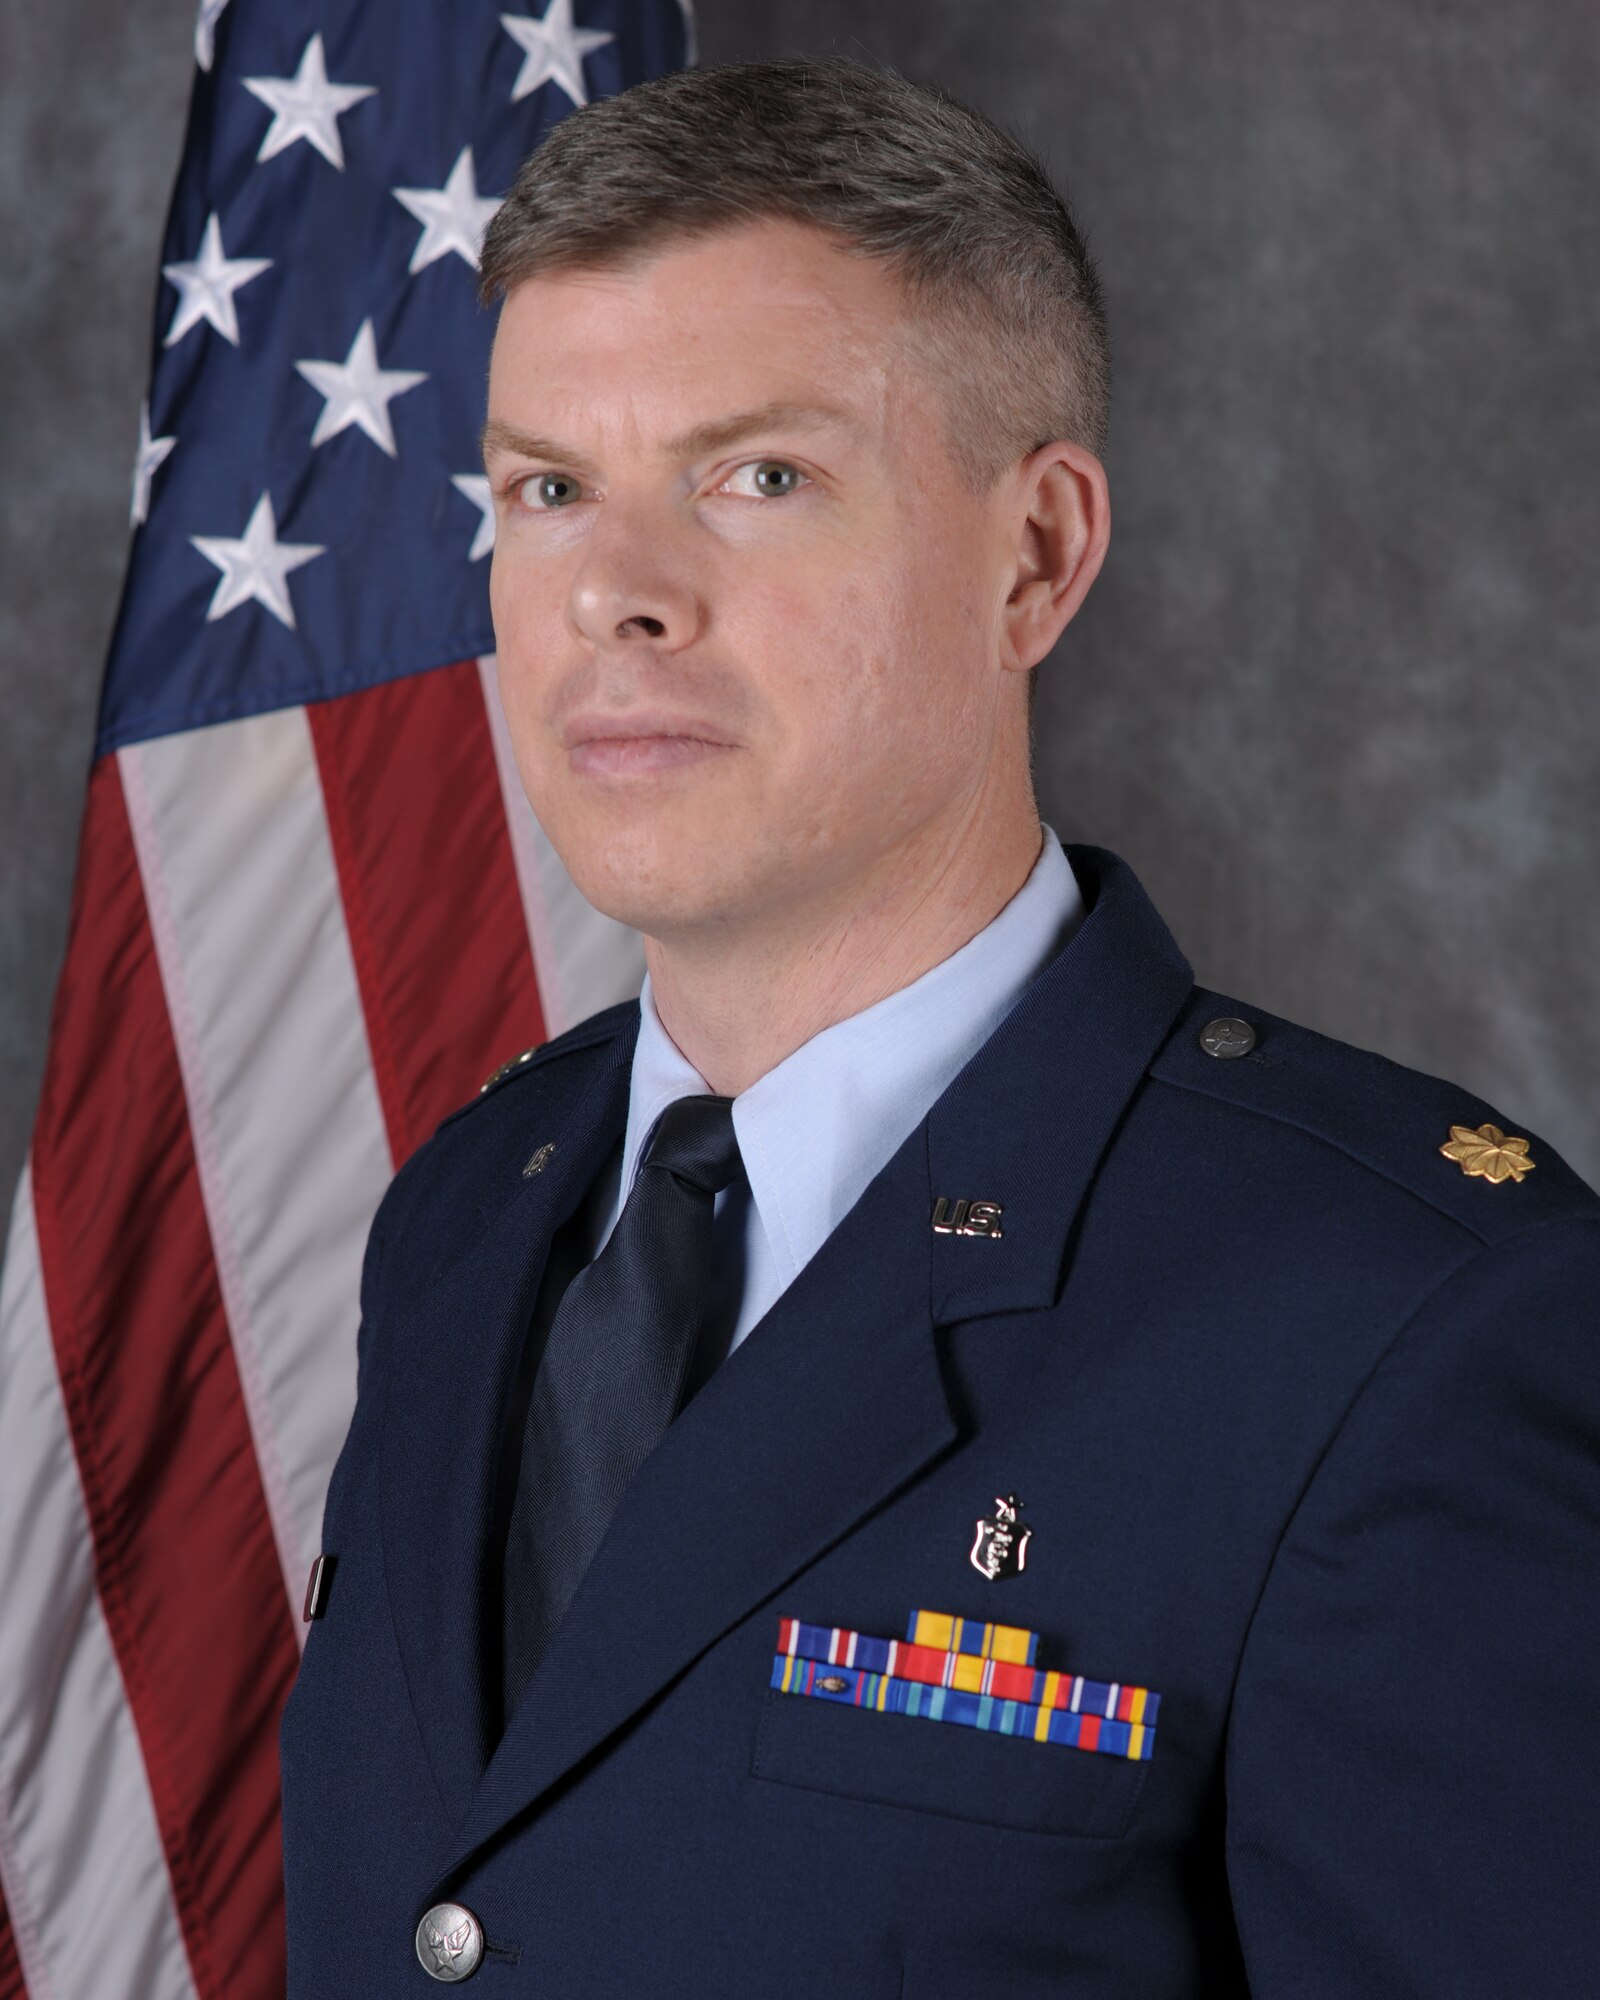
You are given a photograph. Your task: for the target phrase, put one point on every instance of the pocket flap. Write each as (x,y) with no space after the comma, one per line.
(968,1774)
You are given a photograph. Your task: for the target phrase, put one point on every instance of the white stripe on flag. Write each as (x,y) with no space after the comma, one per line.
(239,876)
(81,1862)
(583,961)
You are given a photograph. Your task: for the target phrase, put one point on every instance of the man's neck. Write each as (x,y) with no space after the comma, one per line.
(737,1006)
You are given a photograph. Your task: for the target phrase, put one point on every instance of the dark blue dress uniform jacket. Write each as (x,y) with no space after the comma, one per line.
(1305,1421)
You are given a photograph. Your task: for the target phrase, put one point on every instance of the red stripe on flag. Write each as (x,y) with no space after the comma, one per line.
(185,1560)
(430,891)
(12,1986)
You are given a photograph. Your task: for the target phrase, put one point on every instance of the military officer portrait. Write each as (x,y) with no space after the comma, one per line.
(930,1455)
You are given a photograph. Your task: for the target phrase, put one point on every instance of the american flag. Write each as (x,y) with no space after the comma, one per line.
(312,910)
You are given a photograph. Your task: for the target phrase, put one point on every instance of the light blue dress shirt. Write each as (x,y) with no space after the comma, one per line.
(815,1130)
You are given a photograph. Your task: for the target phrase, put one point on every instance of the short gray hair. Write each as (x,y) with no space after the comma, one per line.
(1005,297)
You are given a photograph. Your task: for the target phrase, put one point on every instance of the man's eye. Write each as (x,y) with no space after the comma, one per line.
(552,489)
(768,478)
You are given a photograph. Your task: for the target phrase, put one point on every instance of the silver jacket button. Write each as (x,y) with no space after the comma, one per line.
(1227,1038)
(449,1942)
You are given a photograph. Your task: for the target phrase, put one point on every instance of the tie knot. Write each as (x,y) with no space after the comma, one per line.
(694,1141)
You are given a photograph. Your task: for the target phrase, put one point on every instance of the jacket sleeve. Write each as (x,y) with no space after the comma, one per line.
(1413,1760)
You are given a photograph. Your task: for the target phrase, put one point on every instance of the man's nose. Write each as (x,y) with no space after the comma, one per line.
(629,590)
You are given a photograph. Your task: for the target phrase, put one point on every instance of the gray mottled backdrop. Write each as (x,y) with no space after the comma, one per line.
(1335,694)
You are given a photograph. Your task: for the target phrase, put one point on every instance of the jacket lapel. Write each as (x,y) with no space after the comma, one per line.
(453,1352)
(836,1400)
(830,1404)
(1029,1119)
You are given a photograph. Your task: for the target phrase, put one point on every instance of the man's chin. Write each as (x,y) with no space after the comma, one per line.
(665,893)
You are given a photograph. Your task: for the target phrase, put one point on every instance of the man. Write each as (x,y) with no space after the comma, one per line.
(928,1456)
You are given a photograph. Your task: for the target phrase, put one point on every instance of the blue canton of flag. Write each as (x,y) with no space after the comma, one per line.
(312,508)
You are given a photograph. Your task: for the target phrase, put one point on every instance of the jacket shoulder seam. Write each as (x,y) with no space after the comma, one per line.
(1275,1116)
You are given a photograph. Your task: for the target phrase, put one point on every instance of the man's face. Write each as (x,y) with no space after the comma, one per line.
(748,615)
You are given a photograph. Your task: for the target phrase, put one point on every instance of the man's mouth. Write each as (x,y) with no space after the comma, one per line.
(638,744)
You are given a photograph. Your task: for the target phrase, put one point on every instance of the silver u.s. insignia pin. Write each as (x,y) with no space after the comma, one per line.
(1000,1548)
(967,1218)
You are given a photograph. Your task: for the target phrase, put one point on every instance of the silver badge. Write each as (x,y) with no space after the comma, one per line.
(538,1161)
(449,1942)
(1000,1548)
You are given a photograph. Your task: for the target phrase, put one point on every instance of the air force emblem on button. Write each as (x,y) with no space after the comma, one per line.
(1227,1038)
(1000,1548)
(449,1942)
(1488,1153)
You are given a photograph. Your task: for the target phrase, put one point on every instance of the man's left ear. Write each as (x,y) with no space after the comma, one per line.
(1063,511)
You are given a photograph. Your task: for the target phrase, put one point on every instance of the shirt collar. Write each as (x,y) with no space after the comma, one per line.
(816,1129)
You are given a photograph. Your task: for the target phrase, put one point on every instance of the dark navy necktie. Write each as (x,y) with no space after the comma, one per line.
(612,1376)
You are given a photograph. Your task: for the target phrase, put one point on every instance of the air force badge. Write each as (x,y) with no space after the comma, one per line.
(1000,1548)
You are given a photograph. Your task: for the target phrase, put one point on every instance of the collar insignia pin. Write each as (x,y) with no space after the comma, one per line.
(967,1218)
(538,1162)
(1000,1548)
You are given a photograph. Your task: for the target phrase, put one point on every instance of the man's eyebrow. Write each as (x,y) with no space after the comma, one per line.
(504,437)
(718,434)
(722,432)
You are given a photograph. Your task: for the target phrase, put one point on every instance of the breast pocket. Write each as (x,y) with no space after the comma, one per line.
(940,1767)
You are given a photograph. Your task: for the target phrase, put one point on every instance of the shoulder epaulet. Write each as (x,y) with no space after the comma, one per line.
(597,1028)
(1430,1137)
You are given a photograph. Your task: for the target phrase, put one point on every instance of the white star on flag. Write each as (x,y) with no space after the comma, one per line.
(205,28)
(306,105)
(152,453)
(206,286)
(453,217)
(553,51)
(475,487)
(256,565)
(358,391)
